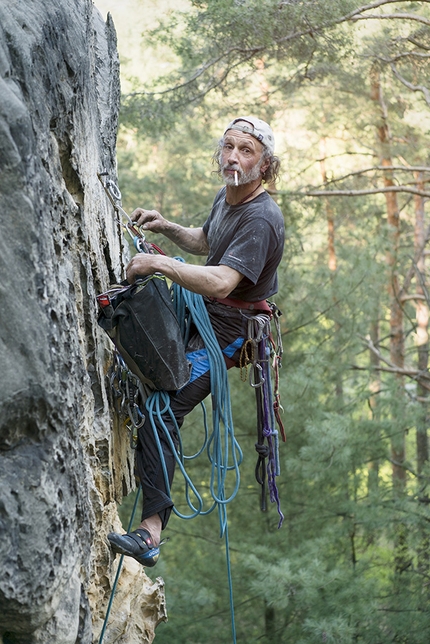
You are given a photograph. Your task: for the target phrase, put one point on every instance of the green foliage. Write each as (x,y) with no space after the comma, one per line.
(166,176)
(223,43)
(350,563)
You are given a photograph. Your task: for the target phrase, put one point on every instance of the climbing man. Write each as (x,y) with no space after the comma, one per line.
(243,239)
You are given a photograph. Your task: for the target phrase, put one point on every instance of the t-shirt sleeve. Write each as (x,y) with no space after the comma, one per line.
(249,249)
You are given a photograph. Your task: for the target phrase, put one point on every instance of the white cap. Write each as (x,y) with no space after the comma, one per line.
(257,128)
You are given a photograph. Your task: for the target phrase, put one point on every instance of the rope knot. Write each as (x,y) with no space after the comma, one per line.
(262,450)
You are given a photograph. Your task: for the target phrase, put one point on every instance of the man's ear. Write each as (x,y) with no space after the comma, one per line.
(265,165)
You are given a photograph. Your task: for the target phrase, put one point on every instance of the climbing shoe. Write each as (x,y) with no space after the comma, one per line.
(137,544)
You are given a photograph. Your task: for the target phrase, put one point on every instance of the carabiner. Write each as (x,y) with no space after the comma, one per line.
(257,366)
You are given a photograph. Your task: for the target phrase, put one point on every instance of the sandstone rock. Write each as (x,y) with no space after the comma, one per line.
(63,461)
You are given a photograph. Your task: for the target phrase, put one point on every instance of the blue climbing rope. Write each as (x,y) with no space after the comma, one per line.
(118,571)
(224,452)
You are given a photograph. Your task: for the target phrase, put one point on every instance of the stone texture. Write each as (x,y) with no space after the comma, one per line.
(63,461)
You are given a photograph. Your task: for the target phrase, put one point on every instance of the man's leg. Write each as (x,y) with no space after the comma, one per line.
(142,543)
(157,505)
(230,327)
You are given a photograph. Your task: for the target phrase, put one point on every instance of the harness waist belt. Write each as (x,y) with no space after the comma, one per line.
(241,304)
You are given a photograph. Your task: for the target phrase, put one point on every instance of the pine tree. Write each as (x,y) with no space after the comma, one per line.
(350,563)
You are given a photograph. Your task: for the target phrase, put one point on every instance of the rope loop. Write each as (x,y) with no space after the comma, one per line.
(223,450)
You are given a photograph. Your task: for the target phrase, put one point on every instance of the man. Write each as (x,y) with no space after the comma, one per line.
(243,239)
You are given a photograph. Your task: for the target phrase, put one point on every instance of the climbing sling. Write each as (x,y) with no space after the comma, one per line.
(257,352)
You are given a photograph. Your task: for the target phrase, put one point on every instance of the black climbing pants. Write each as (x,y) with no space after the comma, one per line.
(231,328)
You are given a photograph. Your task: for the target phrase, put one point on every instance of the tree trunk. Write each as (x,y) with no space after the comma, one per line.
(332,260)
(422,316)
(398,451)
(375,387)
(269,622)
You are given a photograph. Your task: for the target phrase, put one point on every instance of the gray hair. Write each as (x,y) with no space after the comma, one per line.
(271,175)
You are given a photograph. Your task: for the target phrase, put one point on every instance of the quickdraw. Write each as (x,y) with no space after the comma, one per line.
(256,352)
(138,237)
(128,396)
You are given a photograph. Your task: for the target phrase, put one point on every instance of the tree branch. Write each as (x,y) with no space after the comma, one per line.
(395,370)
(417,44)
(405,54)
(359,193)
(413,88)
(405,467)
(392,368)
(246,54)
(393,16)
(354,15)
(382,168)
(413,296)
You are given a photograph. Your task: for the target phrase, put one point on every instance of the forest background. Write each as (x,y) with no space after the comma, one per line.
(345,87)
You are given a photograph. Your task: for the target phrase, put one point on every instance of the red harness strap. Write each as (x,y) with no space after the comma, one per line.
(241,304)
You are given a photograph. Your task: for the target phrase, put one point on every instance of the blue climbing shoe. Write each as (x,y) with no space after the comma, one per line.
(137,544)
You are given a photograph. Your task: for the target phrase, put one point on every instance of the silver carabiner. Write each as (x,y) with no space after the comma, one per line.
(258,366)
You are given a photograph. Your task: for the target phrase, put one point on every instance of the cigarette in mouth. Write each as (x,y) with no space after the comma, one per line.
(236,182)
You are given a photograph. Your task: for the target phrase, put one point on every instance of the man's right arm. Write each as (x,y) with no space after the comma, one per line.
(192,240)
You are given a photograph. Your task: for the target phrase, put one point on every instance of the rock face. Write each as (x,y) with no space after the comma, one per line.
(63,461)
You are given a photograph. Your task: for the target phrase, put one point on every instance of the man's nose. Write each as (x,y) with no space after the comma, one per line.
(233,156)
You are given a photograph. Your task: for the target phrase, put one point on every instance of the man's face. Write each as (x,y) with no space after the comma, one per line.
(241,152)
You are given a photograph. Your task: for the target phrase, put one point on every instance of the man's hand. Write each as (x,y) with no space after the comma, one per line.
(149,220)
(192,240)
(139,266)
